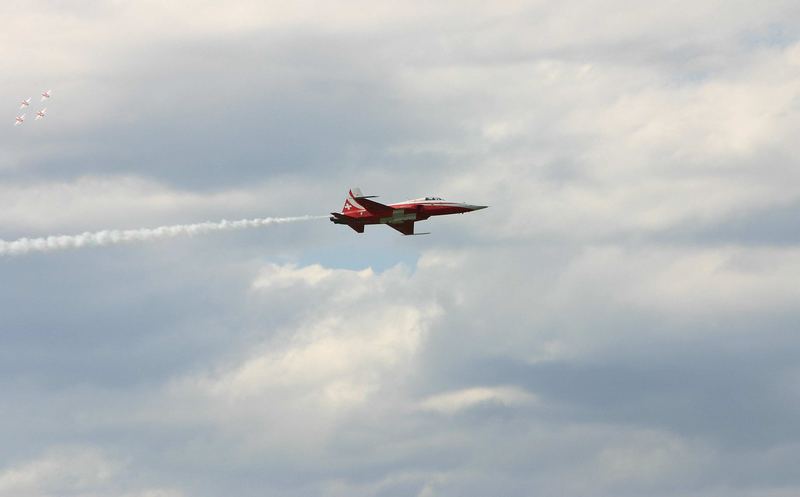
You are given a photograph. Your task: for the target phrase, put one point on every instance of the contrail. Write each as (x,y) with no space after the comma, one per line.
(112,237)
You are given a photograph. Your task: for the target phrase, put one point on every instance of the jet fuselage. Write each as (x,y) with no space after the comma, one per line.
(359,211)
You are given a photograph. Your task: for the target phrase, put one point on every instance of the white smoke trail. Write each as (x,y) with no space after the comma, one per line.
(111,237)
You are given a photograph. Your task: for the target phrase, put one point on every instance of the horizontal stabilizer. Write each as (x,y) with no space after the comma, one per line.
(339,218)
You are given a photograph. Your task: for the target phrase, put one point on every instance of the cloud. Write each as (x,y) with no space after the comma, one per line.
(621,321)
(685,282)
(80,471)
(283,276)
(452,402)
(339,357)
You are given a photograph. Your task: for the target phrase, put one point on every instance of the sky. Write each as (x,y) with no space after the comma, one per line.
(622,321)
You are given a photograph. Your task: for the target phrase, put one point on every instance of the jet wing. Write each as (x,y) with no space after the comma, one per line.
(406,228)
(374,207)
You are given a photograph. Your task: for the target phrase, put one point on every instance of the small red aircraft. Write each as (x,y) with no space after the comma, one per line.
(359,211)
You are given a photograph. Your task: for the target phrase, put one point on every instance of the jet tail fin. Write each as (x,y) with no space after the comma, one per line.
(355,193)
(357,201)
(351,202)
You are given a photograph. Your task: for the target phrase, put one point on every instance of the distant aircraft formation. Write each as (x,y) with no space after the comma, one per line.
(359,210)
(24,104)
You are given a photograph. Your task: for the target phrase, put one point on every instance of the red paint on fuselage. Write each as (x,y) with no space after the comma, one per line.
(409,210)
(359,210)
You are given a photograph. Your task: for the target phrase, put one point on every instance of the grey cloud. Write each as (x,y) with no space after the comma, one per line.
(633,279)
(210,114)
(771,226)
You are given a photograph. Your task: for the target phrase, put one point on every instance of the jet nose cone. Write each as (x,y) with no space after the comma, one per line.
(477,207)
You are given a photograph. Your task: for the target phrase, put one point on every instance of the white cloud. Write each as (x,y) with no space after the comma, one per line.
(683,282)
(73,470)
(284,276)
(357,346)
(452,402)
(577,151)
(339,360)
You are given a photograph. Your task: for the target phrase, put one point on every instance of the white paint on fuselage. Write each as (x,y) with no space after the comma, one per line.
(398,217)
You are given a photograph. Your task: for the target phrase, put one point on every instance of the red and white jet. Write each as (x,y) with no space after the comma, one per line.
(41,113)
(359,210)
(20,120)
(25,103)
(46,94)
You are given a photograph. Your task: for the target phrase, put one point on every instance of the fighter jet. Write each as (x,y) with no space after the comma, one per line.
(25,103)
(359,210)
(40,114)
(46,94)
(20,120)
